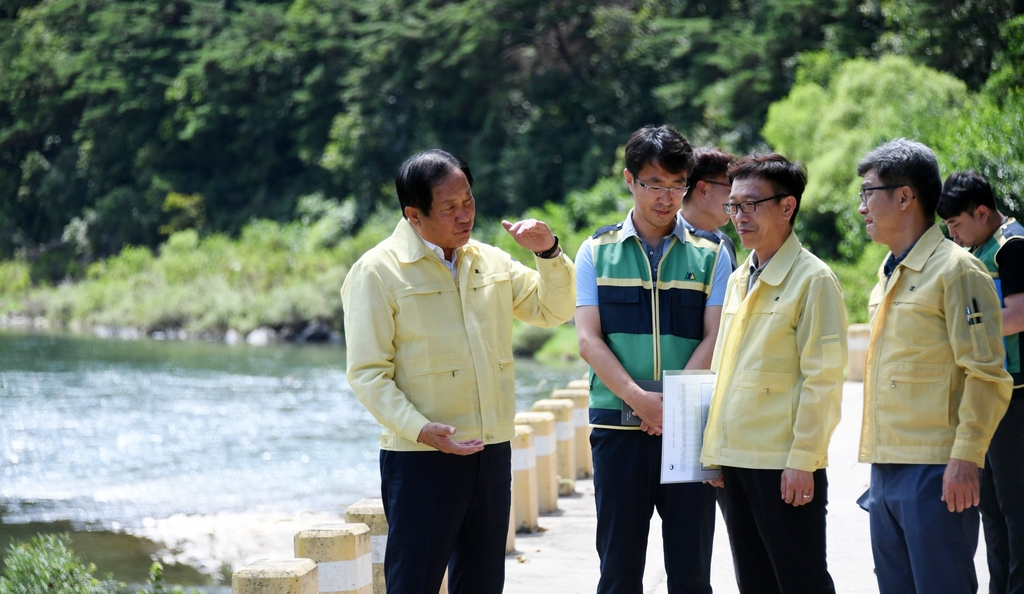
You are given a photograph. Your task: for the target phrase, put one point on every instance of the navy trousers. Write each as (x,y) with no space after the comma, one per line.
(448,511)
(776,548)
(627,486)
(1002,501)
(919,546)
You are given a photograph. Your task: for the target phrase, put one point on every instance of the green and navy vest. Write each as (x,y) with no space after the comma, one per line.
(650,328)
(1011,230)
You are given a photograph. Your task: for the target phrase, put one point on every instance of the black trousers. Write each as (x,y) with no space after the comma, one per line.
(627,488)
(448,511)
(776,548)
(1002,501)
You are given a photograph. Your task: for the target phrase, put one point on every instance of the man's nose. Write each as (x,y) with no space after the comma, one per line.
(863,208)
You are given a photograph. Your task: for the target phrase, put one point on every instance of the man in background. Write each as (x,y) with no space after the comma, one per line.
(968,208)
(709,190)
(428,316)
(934,383)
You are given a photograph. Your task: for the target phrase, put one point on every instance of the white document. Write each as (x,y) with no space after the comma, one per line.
(685,405)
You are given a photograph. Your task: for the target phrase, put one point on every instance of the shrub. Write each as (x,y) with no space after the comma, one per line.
(47,564)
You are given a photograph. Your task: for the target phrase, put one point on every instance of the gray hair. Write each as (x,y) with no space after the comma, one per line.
(908,162)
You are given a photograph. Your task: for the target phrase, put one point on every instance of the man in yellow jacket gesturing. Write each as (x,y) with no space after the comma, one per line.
(428,321)
(934,383)
(780,356)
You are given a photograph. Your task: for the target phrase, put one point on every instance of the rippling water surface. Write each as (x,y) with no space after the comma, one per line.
(106,433)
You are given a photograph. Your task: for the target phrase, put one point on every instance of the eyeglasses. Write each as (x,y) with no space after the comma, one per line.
(717,183)
(748,207)
(864,191)
(658,191)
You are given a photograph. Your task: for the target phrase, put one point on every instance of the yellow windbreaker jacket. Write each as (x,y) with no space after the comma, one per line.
(934,383)
(423,347)
(780,356)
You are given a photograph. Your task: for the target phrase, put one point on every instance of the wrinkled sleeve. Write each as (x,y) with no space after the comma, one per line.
(978,349)
(544,297)
(370,331)
(821,342)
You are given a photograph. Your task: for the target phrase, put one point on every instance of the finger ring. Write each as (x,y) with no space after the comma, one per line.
(807,496)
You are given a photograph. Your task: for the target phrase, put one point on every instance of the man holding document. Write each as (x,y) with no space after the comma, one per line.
(649,296)
(780,356)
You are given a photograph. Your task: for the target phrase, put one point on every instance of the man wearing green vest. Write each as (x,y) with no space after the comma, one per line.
(968,207)
(649,297)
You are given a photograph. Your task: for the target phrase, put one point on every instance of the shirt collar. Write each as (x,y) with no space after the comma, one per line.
(629,229)
(440,252)
(778,266)
(411,247)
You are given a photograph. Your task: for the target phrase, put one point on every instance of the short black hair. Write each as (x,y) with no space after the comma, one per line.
(421,173)
(785,176)
(964,191)
(663,145)
(710,162)
(907,162)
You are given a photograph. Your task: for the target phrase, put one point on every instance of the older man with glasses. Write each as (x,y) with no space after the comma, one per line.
(780,356)
(934,383)
(649,297)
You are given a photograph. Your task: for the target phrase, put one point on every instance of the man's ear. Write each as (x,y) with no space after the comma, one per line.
(629,176)
(981,213)
(905,195)
(788,206)
(413,214)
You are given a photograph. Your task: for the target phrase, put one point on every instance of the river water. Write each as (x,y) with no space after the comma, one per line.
(107,438)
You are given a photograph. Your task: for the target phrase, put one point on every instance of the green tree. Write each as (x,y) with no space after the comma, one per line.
(831,126)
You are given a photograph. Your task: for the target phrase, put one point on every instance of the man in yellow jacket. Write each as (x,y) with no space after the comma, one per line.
(428,321)
(779,357)
(934,383)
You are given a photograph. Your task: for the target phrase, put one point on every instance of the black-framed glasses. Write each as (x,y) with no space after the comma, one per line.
(716,183)
(748,207)
(659,191)
(863,191)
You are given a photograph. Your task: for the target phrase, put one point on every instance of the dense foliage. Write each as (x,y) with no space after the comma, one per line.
(47,564)
(124,122)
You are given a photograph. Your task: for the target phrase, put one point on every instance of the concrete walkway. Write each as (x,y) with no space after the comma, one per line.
(562,557)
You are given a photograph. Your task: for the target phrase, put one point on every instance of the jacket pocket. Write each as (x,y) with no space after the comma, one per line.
(436,388)
(760,415)
(914,402)
(505,381)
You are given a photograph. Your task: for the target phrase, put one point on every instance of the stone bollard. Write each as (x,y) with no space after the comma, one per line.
(543,425)
(342,556)
(857,339)
(565,437)
(371,513)
(581,422)
(579,384)
(276,576)
(524,480)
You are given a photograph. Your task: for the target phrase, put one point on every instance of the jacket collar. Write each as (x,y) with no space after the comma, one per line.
(409,247)
(781,263)
(923,249)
